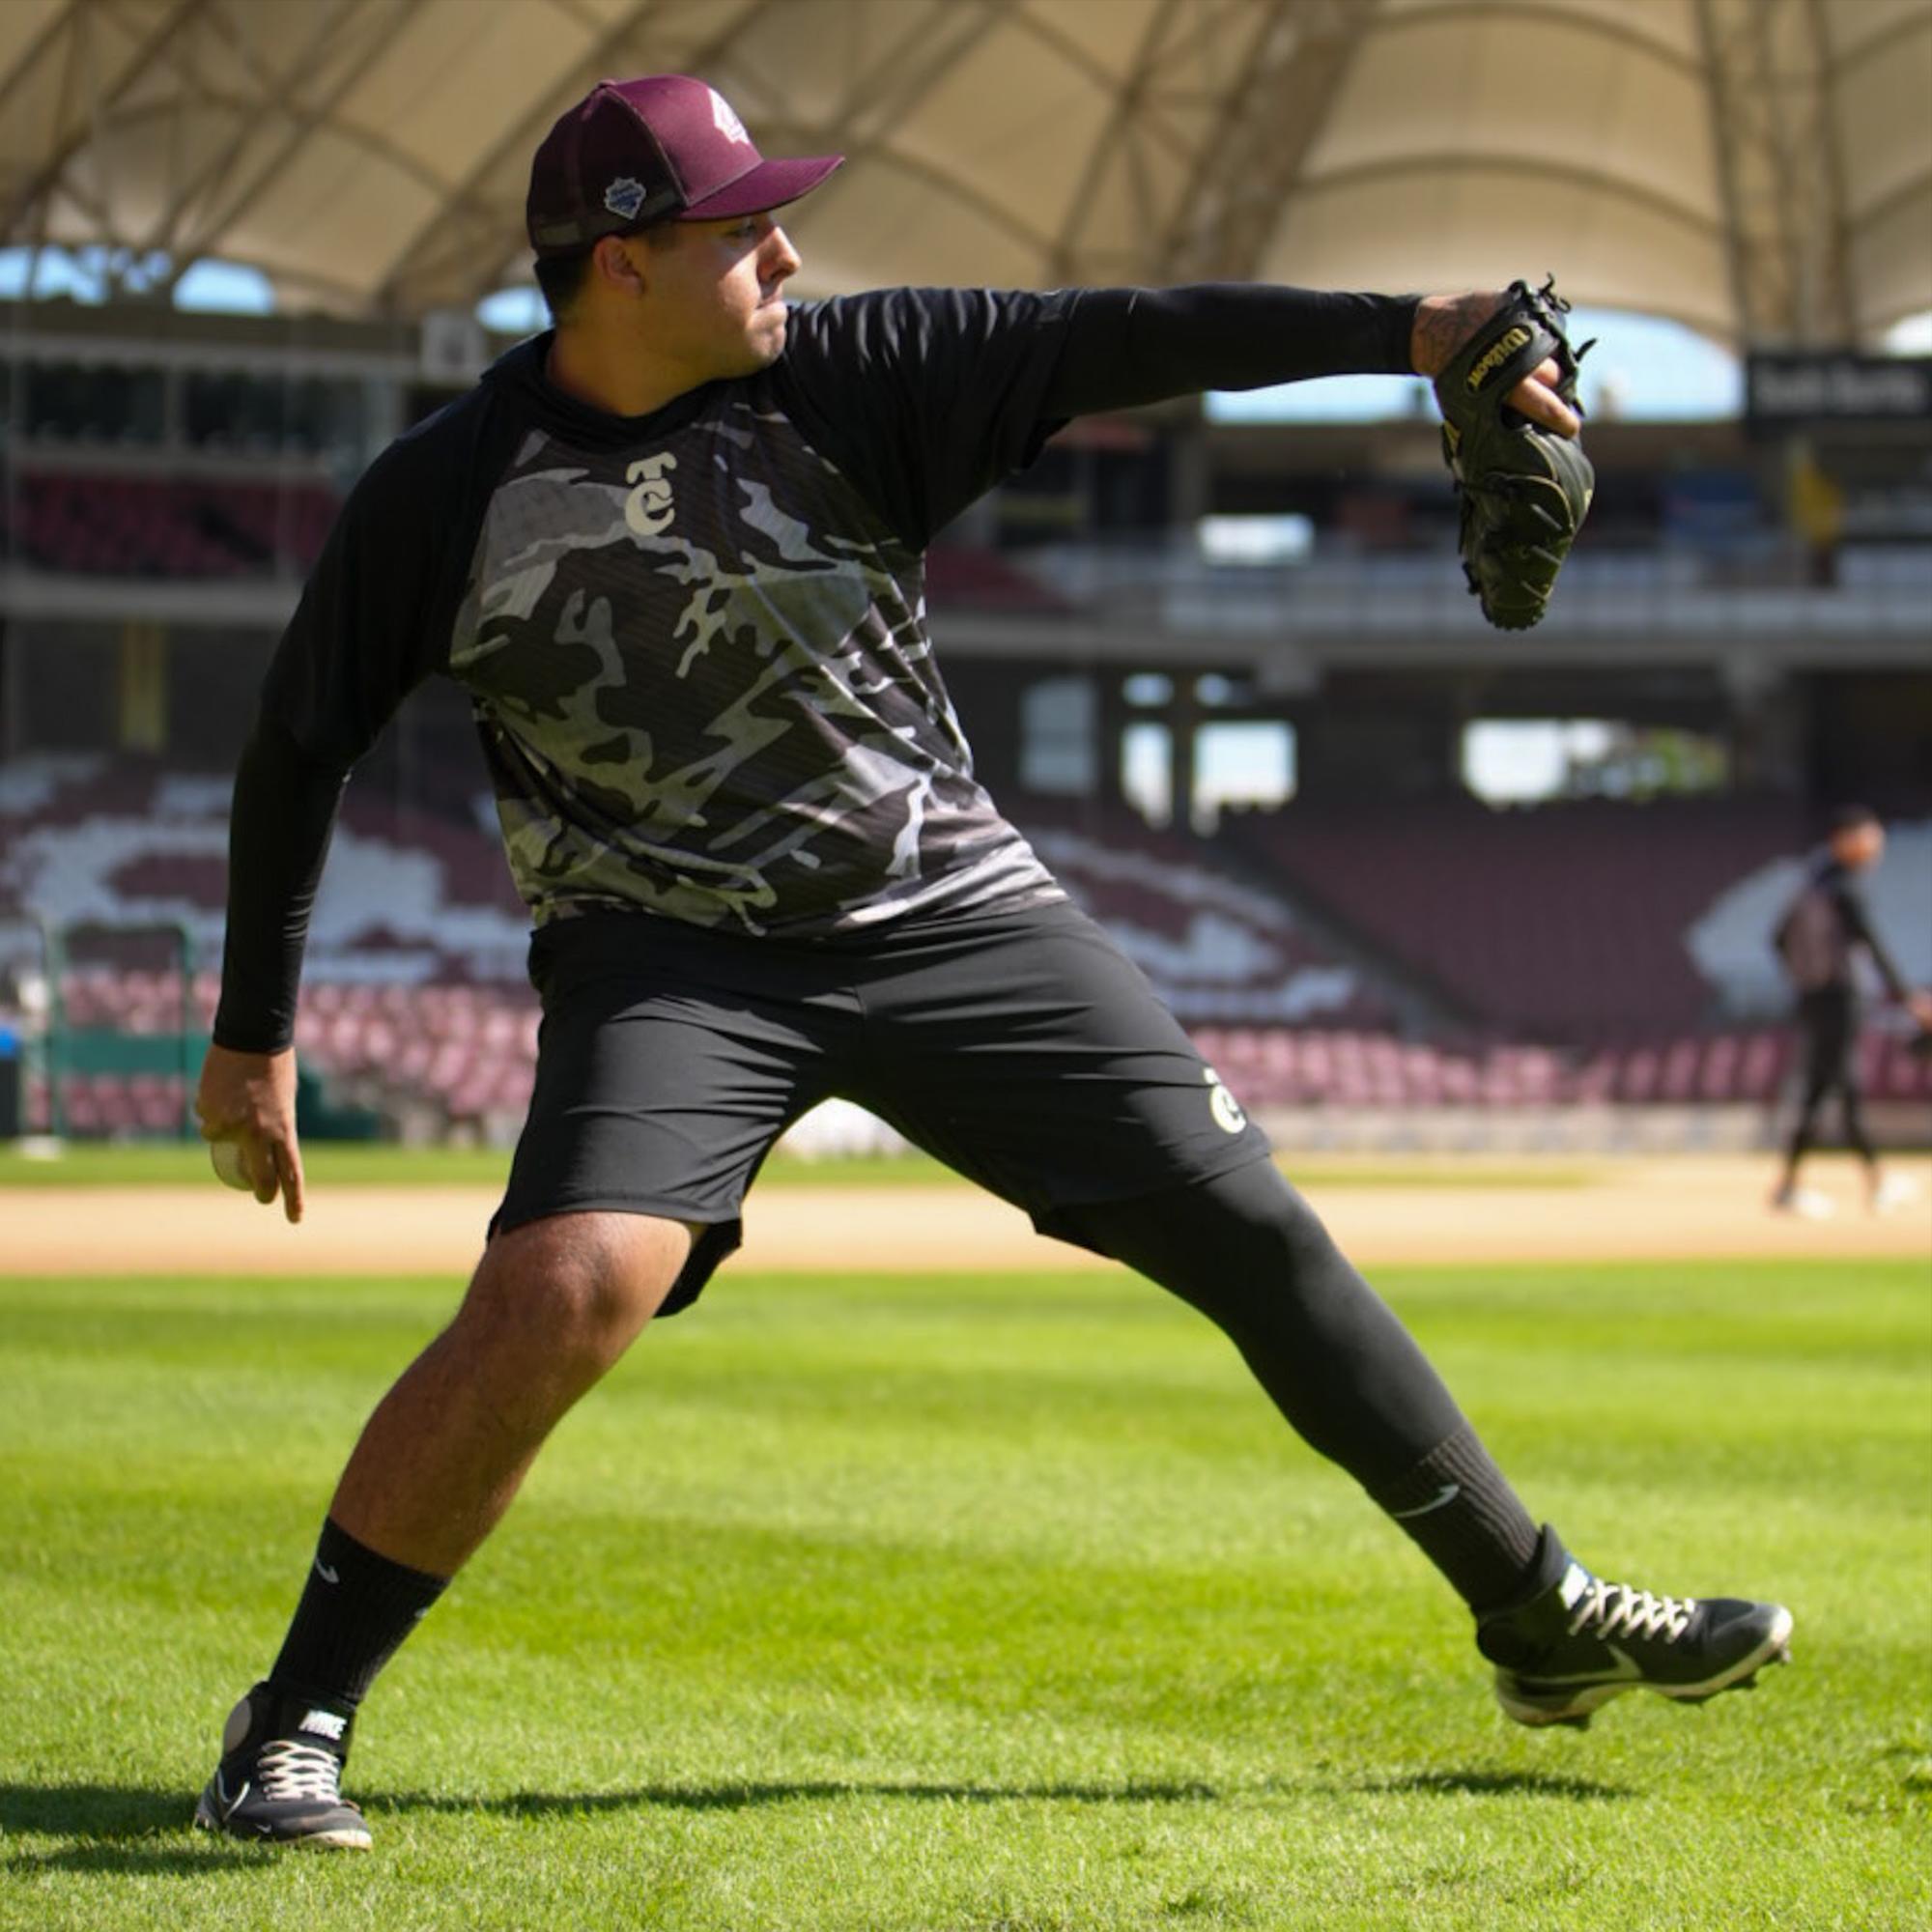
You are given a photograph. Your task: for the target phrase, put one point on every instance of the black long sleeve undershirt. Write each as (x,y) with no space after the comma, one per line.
(1859,931)
(1129,347)
(279,828)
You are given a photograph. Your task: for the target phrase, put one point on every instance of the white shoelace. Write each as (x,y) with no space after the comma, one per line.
(289,1770)
(1618,1611)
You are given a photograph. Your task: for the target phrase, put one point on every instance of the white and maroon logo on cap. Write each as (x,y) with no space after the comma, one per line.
(624,196)
(725,122)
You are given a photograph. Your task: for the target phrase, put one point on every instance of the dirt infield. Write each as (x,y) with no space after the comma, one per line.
(1616,1210)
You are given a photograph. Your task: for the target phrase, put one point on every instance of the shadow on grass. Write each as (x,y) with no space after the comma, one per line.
(134,1831)
(737,1796)
(1493,1785)
(142,1857)
(92,1810)
(119,1828)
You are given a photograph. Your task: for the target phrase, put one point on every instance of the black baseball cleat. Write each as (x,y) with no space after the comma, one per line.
(280,1773)
(1574,1641)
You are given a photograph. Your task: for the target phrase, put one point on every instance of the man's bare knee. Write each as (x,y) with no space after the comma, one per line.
(572,1292)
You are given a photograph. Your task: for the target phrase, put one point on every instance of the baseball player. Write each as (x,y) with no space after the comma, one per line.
(673,550)
(1817,938)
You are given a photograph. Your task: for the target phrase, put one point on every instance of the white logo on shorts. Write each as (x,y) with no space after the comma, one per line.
(1222,1105)
(648,510)
(725,122)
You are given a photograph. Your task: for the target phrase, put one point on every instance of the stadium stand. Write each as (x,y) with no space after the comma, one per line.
(1580,936)
(116,525)
(1217,947)
(414,992)
(1279,1067)
(1564,922)
(972,577)
(1590,942)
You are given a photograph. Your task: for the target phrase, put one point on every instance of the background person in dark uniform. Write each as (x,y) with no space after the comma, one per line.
(1818,939)
(674,551)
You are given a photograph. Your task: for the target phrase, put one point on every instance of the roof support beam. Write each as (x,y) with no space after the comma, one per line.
(1767,67)
(463,260)
(76,134)
(1223,224)
(353,35)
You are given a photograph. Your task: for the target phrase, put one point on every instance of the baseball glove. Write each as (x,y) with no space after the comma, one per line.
(1524,489)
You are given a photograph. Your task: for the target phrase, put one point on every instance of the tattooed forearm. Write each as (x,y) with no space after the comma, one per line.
(1444,322)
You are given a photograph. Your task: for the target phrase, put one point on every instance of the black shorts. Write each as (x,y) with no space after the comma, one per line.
(1027,1053)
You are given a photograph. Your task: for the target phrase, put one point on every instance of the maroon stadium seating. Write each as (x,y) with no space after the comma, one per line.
(1285,1019)
(113,524)
(1556,922)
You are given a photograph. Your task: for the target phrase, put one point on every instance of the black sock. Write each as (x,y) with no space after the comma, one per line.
(356,1609)
(1247,1251)
(1465,1519)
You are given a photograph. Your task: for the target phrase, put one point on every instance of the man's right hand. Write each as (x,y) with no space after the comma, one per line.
(250,1098)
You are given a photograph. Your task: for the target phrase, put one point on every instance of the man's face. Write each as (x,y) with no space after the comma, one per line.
(714,294)
(1858,847)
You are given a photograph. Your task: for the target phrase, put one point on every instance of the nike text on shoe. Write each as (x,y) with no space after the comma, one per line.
(278,1781)
(1574,1641)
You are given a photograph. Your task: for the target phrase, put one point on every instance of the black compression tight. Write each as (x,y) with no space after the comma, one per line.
(1804,1130)
(1828,1025)
(1249,1253)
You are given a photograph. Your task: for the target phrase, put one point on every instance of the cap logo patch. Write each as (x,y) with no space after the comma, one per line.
(725,122)
(624,196)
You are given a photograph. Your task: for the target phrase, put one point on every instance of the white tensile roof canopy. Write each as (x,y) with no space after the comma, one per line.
(1759,169)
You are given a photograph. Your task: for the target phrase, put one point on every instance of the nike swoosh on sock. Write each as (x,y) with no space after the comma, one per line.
(1447,1494)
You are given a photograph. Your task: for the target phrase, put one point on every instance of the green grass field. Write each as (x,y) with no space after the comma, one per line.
(982,1606)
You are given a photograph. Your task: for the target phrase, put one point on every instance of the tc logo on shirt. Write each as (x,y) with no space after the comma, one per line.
(648,509)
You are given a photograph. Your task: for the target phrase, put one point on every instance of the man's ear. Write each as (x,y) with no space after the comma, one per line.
(618,260)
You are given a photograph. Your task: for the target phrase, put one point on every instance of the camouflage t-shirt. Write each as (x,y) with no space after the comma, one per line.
(699,662)
(696,641)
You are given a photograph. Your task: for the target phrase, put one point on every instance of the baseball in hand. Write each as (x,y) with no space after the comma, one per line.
(225,1157)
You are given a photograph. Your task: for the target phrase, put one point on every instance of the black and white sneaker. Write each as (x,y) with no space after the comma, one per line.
(1574,1641)
(280,1778)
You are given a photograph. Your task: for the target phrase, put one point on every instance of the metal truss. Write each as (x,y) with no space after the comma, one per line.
(1260,81)
(160,76)
(1768,70)
(155,129)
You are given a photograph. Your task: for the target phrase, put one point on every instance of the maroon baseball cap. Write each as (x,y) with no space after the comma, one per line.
(661,148)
